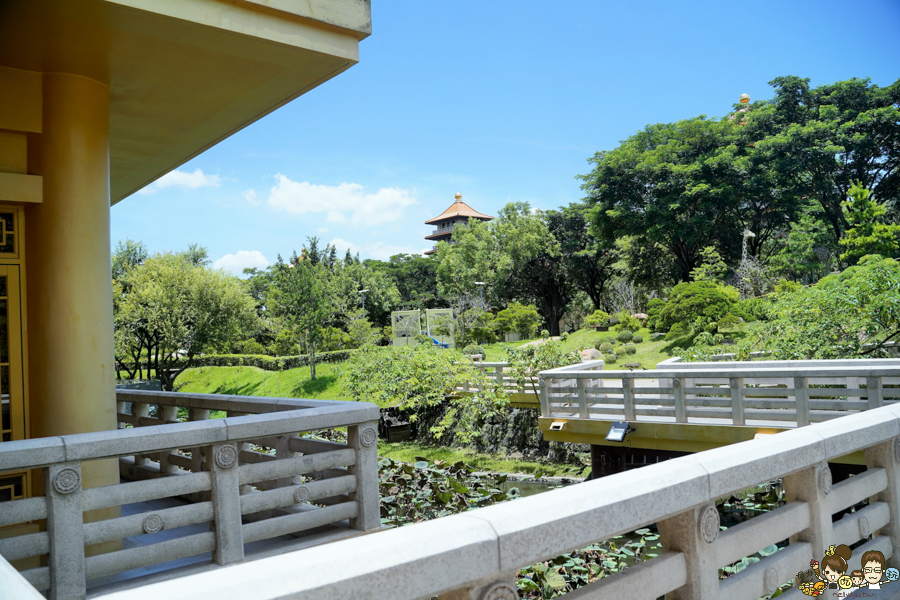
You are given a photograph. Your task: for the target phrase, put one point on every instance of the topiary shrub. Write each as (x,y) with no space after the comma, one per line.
(703,302)
(620,350)
(605,347)
(610,339)
(597,320)
(545,334)
(610,359)
(473,349)
(630,349)
(625,336)
(637,339)
(729,321)
(564,336)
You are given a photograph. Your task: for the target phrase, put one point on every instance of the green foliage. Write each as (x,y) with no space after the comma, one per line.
(868,234)
(544,334)
(526,362)
(625,336)
(610,359)
(415,378)
(712,266)
(728,321)
(173,306)
(519,318)
(637,338)
(757,309)
(426,490)
(605,347)
(630,349)
(597,319)
(266,362)
(564,336)
(619,350)
(473,349)
(247,347)
(804,254)
(697,305)
(653,307)
(626,322)
(851,314)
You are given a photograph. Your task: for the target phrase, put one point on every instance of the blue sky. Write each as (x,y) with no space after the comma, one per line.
(500,101)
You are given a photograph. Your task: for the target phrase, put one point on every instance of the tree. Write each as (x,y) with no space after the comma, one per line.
(302,294)
(867,233)
(806,251)
(127,255)
(700,304)
(176,308)
(845,315)
(518,318)
(415,278)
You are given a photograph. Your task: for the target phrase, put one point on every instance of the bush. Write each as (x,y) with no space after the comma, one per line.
(545,334)
(610,339)
(677,330)
(653,308)
(605,347)
(597,319)
(729,321)
(625,336)
(269,363)
(626,322)
(472,349)
(697,305)
(610,359)
(564,336)
(637,339)
(630,349)
(620,350)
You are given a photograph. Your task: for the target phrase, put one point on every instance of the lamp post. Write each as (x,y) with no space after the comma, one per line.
(362,294)
(480,285)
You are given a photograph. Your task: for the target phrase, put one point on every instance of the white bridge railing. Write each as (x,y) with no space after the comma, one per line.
(475,555)
(250,477)
(752,393)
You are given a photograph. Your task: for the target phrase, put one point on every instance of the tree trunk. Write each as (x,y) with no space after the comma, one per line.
(312,361)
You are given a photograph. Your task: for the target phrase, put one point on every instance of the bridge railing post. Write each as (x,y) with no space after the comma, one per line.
(874,393)
(801,400)
(582,400)
(678,395)
(737,406)
(628,400)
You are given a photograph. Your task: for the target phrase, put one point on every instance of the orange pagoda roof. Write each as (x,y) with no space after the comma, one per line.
(458,209)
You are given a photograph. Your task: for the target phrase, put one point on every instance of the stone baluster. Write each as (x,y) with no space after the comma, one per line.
(801,400)
(168,414)
(226,504)
(139,410)
(887,456)
(678,396)
(582,400)
(501,587)
(363,438)
(736,384)
(694,534)
(874,393)
(812,485)
(545,398)
(65,524)
(628,400)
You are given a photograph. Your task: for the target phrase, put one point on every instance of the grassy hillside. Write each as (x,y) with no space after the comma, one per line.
(251,381)
(649,353)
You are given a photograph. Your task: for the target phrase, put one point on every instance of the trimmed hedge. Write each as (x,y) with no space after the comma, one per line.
(268,363)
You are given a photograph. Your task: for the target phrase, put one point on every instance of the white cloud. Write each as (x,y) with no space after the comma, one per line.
(236,263)
(183,180)
(337,201)
(323,230)
(250,196)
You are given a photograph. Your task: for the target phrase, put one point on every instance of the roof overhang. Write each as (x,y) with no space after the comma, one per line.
(183,74)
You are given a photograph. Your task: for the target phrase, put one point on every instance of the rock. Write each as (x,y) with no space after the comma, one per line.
(590,354)
(633,365)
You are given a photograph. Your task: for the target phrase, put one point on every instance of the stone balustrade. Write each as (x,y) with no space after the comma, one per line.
(764,393)
(474,555)
(251,476)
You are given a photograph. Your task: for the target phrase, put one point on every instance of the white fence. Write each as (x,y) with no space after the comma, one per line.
(725,393)
(251,477)
(475,555)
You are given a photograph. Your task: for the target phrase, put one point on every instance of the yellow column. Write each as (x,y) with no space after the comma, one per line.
(70,317)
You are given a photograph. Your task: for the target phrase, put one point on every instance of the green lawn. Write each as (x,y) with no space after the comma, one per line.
(408,451)
(252,381)
(648,352)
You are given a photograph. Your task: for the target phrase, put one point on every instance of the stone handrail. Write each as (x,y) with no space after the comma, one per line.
(251,477)
(729,394)
(475,555)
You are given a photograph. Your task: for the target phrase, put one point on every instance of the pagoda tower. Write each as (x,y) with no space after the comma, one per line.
(458,212)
